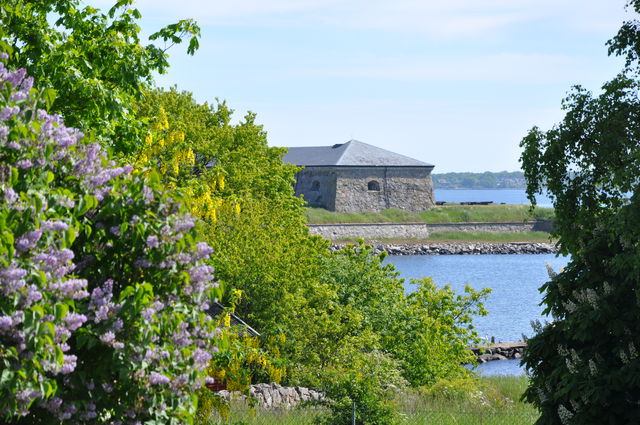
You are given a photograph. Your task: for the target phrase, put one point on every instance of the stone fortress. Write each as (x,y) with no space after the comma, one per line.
(358,177)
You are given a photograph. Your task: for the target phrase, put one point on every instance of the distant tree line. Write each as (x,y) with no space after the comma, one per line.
(486,180)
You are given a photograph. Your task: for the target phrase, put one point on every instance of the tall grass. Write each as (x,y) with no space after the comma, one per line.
(492,401)
(440,214)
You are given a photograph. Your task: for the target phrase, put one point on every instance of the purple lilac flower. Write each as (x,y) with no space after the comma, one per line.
(13,273)
(74,320)
(156,378)
(152,241)
(31,295)
(107,337)
(5,323)
(28,240)
(28,395)
(61,334)
(200,356)
(101,302)
(201,273)
(15,77)
(183,224)
(10,196)
(180,381)
(13,145)
(147,194)
(69,364)
(71,288)
(8,112)
(24,164)
(204,250)
(142,263)
(56,225)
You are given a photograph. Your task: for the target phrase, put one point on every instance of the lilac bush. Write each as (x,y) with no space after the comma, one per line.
(103,284)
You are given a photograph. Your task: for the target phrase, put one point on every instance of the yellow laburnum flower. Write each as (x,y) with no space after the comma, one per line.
(148,140)
(227,320)
(237,208)
(175,166)
(190,157)
(220,181)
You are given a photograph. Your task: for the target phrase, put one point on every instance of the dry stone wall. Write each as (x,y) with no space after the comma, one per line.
(372,231)
(276,396)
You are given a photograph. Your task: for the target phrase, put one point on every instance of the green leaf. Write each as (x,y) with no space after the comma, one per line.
(49,96)
(70,235)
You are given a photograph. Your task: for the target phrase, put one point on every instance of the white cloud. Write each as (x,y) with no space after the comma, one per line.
(437,18)
(506,67)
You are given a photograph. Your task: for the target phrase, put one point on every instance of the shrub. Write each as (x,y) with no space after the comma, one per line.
(103,286)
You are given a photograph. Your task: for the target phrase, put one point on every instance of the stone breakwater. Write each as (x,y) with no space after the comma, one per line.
(276,396)
(466,248)
(499,351)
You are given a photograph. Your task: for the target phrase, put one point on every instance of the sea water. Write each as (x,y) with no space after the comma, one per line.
(514,280)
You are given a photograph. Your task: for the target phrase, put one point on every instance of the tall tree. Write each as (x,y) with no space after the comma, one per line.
(584,364)
(95,61)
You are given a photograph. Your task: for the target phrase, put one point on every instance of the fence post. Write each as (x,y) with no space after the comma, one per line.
(353,414)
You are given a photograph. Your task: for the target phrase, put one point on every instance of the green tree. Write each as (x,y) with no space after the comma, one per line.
(584,364)
(94,61)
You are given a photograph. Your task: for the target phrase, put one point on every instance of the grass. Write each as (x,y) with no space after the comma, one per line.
(491,237)
(441,214)
(495,401)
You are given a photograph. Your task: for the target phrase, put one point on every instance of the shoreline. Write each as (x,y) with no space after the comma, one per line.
(460,248)
(499,351)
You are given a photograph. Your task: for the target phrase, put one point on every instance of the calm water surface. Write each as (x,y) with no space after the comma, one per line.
(497,196)
(514,279)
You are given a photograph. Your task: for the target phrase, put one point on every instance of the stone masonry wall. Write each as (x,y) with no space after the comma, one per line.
(406,188)
(371,231)
(317,186)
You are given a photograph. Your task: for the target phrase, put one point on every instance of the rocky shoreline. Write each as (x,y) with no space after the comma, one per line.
(499,351)
(461,248)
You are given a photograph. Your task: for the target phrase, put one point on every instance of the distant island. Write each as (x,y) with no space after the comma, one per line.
(486,180)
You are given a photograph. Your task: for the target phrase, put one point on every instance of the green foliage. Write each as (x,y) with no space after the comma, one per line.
(368,380)
(328,315)
(103,283)
(239,152)
(433,341)
(442,214)
(486,180)
(95,61)
(584,365)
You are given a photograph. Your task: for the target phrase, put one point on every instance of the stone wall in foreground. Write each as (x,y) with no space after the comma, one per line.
(374,231)
(274,395)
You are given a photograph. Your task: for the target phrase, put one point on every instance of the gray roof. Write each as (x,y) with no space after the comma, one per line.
(353,154)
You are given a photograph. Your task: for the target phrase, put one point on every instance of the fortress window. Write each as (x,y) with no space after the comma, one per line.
(374,185)
(315,185)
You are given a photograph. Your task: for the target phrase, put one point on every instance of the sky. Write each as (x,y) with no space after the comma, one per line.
(454,83)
